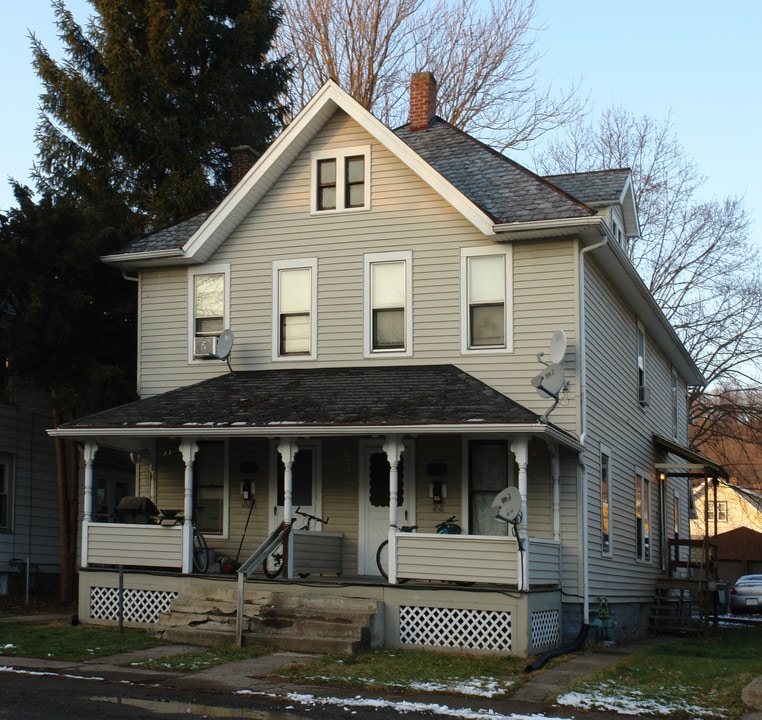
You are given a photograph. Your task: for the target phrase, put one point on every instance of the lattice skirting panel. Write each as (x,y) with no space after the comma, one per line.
(140,606)
(546,629)
(455,628)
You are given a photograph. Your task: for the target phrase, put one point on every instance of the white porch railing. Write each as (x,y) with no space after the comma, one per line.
(159,546)
(475,558)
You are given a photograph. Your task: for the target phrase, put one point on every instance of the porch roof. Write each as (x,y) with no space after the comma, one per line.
(321,401)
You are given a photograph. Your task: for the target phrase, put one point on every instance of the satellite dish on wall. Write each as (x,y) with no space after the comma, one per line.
(508,504)
(225,346)
(550,381)
(558,346)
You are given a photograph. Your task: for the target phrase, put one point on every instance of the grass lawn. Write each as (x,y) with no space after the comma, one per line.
(62,641)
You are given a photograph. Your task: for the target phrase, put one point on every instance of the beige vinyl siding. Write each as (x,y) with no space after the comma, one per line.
(442,450)
(405,214)
(149,546)
(616,419)
(34,493)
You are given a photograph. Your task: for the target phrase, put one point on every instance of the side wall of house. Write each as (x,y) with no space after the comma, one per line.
(33,534)
(618,422)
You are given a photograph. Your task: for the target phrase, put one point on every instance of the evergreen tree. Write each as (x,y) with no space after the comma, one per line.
(67,325)
(152,96)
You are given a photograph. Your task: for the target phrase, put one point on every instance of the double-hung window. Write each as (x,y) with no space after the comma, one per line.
(486,290)
(388,280)
(643,391)
(642,517)
(208,300)
(6,490)
(294,302)
(606,547)
(341,179)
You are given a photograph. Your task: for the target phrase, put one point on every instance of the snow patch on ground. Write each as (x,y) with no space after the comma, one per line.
(608,697)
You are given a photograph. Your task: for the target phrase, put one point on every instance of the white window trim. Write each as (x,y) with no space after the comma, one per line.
(640,330)
(204,270)
(466,253)
(605,450)
(316,446)
(369,259)
(338,154)
(645,481)
(279,265)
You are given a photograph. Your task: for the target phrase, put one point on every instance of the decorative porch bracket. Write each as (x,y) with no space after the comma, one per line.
(89,451)
(188,449)
(393,447)
(520,450)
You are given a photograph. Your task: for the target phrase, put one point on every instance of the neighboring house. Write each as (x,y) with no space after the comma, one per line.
(390,294)
(733,518)
(28,490)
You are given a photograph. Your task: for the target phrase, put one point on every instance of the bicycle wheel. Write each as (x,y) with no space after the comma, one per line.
(200,552)
(382,559)
(273,564)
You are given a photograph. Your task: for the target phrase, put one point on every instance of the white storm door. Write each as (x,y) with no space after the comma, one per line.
(374,503)
(305,484)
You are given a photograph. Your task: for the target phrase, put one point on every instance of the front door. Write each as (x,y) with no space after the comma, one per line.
(304,482)
(375,504)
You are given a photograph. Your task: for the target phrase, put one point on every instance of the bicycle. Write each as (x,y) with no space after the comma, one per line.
(446,527)
(275,561)
(382,554)
(200,546)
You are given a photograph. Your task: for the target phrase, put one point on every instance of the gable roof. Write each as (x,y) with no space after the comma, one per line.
(320,401)
(487,188)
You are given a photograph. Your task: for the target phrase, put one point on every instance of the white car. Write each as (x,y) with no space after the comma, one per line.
(746,594)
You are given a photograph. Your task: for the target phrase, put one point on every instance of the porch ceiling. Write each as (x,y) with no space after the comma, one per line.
(321,401)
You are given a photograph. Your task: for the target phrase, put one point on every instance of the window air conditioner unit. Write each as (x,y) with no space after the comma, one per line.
(205,347)
(644,395)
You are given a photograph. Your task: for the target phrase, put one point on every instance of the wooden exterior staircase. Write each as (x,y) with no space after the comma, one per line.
(686,600)
(288,621)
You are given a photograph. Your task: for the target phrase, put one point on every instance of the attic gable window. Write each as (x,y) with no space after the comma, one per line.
(341,180)
(208,302)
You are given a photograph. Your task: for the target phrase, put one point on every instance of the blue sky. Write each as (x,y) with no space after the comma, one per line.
(701,61)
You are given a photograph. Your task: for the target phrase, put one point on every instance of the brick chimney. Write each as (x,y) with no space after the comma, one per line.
(423,100)
(242,158)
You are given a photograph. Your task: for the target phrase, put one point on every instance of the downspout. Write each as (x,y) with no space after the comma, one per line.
(583,426)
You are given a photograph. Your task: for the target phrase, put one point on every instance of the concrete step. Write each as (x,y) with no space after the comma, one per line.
(289,621)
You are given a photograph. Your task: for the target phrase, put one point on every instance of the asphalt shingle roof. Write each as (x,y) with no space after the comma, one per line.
(409,395)
(168,238)
(505,190)
(593,187)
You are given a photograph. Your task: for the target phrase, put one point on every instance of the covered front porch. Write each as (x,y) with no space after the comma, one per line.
(392,482)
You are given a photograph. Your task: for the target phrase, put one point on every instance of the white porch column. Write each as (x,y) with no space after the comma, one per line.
(520,449)
(91,447)
(188,449)
(288,448)
(393,447)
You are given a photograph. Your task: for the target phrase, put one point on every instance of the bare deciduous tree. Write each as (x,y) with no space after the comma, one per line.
(695,255)
(483,60)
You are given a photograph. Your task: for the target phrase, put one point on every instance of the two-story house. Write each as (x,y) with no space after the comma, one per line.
(422,328)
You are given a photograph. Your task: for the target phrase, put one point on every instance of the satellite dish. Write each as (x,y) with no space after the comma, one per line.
(550,381)
(508,504)
(224,344)
(558,346)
